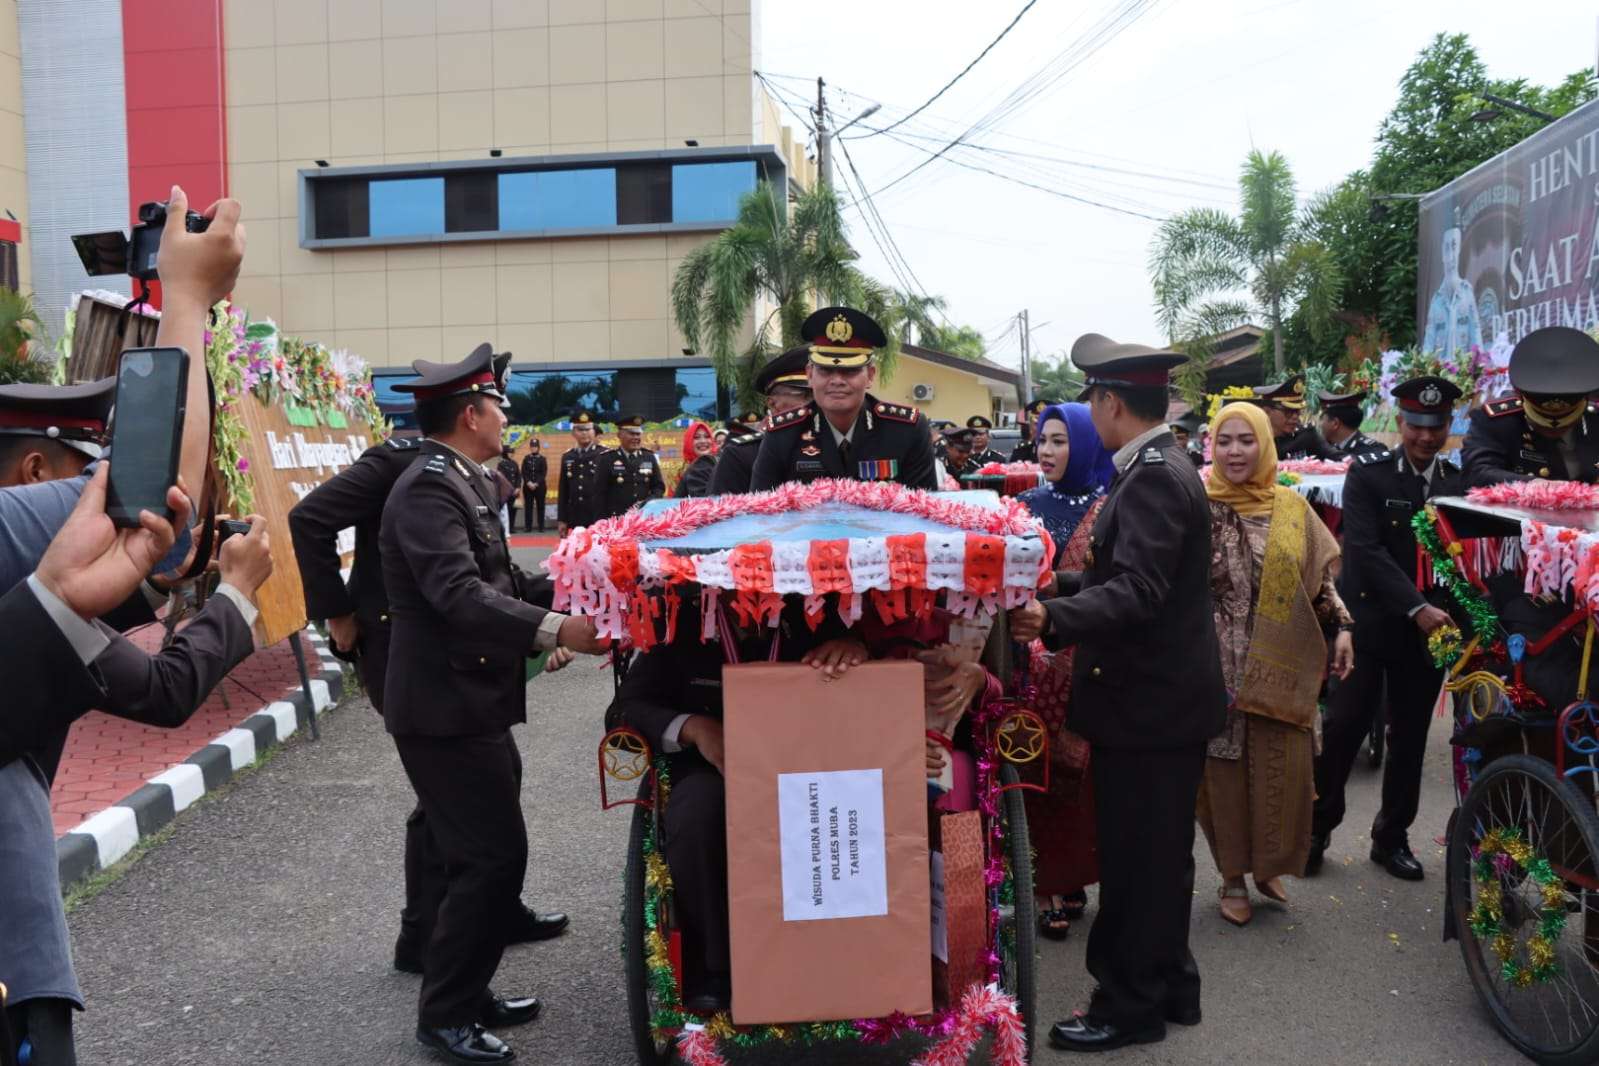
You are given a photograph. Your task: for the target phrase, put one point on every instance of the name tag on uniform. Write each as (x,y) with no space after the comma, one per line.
(1400,503)
(646,469)
(1532,457)
(808,466)
(878,469)
(482,510)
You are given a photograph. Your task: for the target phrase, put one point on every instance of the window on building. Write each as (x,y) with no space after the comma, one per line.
(471,202)
(341,207)
(710,192)
(407,207)
(644,194)
(557,199)
(10,278)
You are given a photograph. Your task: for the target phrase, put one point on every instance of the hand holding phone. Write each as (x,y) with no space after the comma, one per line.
(146,432)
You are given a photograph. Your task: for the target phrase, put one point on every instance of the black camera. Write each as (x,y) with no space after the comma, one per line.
(229,527)
(133,253)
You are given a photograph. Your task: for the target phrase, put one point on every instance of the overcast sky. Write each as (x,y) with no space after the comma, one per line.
(1155,119)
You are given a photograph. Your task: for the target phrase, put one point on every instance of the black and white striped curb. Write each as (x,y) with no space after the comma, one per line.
(107,836)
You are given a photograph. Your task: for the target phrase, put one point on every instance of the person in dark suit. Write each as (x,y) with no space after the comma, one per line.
(462,625)
(1382,493)
(1341,416)
(982,454)
(1027,450)
(845,431)
(632,472)
(535,485)
(1147,713)
(784,384)
(1550,428)
(580,495)
(959,456)
(1285,407)
(512,474)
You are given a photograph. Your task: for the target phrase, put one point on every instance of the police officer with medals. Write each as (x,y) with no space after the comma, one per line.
(1341,416)
(982,454)
(845,431)
(784,384)
(1148,714)
(632,472)
(1027,450)
(580,496)
(463,623)
(1285,408)
(1550,428)
(535,483)
(1382,493)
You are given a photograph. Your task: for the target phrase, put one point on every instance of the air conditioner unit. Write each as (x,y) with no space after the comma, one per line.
(922,393)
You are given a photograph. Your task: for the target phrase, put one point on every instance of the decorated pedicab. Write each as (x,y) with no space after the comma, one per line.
(1520,562)
(1007,479)
(849,549)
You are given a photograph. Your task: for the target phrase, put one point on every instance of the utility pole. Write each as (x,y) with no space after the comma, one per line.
(824,157)
(1027,361)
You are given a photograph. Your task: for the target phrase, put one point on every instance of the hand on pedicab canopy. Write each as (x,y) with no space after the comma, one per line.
(578,633)
(1430,618)
(704,734)
(836,656)
(1027,621)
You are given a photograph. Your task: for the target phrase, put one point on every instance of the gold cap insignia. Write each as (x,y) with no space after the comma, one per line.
(839,330)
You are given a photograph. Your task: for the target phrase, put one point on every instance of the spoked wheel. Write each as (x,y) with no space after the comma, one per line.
(1018,932)
(1523,871)
(641,999)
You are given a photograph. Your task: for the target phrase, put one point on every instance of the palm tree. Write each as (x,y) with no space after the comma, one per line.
(24,357)
(917,324)
(1212,272)
(786,257)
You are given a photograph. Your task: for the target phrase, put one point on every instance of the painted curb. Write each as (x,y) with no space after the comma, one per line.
(108,835)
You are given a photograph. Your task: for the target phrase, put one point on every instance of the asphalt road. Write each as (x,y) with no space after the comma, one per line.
(262,930)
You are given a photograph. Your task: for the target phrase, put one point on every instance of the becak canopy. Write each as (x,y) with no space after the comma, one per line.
(848,544)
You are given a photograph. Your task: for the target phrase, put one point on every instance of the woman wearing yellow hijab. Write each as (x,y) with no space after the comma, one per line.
(1272,568)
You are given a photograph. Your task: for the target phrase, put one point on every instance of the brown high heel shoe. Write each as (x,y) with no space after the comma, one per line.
(1272,888)
(1235,906)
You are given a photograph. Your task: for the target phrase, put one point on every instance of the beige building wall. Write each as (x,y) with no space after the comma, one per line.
(13,150)
(360,82)
(957,394)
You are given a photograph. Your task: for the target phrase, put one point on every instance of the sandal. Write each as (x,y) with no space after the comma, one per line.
(1074,904)
(1235,906)
(1054,923)
(1272,888)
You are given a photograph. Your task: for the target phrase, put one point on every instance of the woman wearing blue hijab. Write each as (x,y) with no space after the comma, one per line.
(1077,470)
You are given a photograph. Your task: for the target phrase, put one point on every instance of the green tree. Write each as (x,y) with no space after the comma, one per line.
(25,357)
(784,257)
(964,341)
(1426,141)
(1213,272)
(1055,379)
(916,317)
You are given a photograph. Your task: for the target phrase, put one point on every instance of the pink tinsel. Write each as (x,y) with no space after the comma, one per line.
(1009,469)
(1538,495)
(699,1049)
(982,1008)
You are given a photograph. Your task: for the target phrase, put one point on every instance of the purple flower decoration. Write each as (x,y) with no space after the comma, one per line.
(243,465)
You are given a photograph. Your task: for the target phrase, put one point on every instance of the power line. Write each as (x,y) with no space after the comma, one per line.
(965,70)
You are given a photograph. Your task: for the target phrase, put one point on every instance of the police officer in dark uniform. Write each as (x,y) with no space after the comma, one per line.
(1285,407)
(784,384)
(1382,492)
(1147,713)
(982,454)
(580,497)
(462,625)
(49,432)
(1341,415)
(632,471)
(513,477)
(1550,428)
(535,484)
(959,445)
(845,431)
(1027,450)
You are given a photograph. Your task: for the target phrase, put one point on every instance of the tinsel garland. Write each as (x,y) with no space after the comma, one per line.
(1538,495)
(1446,575)
(1444,644)
(1499,855)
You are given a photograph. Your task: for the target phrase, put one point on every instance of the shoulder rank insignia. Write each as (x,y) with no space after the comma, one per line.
(402,444)
(462,468)
(792,418)
(1152,456)
(1499,408)
(1372,458)
(895,412)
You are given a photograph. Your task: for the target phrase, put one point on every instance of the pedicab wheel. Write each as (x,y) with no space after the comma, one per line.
(640,999)
(1501,903)
(1018,933)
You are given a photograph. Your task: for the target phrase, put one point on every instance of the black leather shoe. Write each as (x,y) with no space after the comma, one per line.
(1398,861)
(1183,1015)
(506,1011)
(528,926)
(408,954)
(465,1043)
(714,994)
(1083,1034)
(1318,851)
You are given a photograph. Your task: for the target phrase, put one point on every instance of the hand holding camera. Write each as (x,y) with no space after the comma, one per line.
(200,254)
(245,559)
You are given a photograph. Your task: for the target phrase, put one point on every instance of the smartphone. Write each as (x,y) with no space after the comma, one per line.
(146,432)
(229,527)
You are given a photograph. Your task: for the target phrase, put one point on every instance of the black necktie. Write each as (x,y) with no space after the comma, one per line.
(843,455)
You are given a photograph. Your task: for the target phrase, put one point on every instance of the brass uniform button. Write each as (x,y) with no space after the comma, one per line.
(482,660)
(1543,471)
(1094,672)
(383,618)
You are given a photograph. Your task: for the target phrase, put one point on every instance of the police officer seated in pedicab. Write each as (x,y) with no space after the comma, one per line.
(959,452)
(1341,416)
(1550,428)
(982,454)
(1285,408)
(673,696)
(632,472)
(1027,450)
(782,381)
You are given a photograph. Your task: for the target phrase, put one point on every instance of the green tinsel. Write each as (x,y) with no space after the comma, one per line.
(1484,926)
(1484,621)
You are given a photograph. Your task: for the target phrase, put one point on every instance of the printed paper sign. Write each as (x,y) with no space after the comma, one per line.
(940,914)
(831,824)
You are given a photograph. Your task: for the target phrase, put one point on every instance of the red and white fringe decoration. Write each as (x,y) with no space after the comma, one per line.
(1538,495)
(698,1048)
(1313,466)
(1561,559)
(982,1008)
(1008,469)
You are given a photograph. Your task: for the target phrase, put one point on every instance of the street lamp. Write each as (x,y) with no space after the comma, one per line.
(868,113)
(1500,103)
